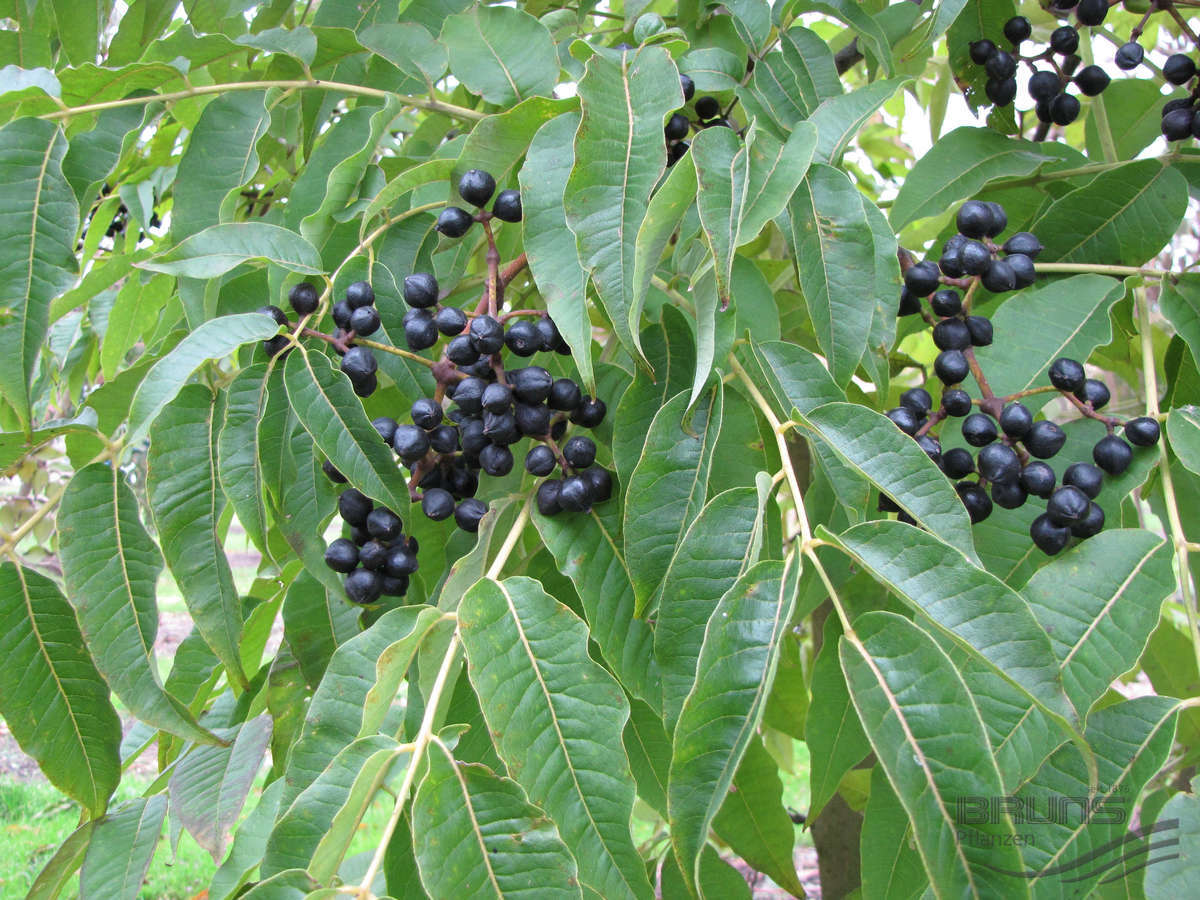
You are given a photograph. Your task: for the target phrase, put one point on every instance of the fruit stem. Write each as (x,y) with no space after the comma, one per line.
(1178,538)
(984,387)
(513,269)
(1087,410)
(426,103)
(1099,110)
(495,289)
(1141,26)
(1180,21)
(374,345)
(1029,392)
(1092,169)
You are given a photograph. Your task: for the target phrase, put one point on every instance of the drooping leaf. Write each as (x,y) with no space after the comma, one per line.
(37,248)
(890,865)
(557,717)
(789,83)
(181,486)
(480,837)
(408,46)
(62,866)
(315,623)
(249,844)
(618,160)
(717,879)
(122,845)
(722,173)
(1174,874)
(1183,429)
(776,170)
(839,119)
(51,697)
(733,674)
(501,53)
(110,566)
(15,444)
(219,248)
(239,450)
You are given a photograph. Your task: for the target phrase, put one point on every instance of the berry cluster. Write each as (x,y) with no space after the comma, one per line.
(708,115)
(477,187)
(377,559)
(1011,444)
(1048,87)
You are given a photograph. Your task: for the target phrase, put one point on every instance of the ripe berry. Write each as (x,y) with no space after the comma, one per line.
(1042,110)
(420,290)
(918,400)
(1142,431)
(461,351)
(1016,420)
(275,313)
(1017,29)
(507,207)
(497,398)
(688,86)
(1067,374)
(1091,524)
(468,395)
(303,297)
(338,478)
(1129,56)
(462,482)
(341,314)
(950,262)
(341,556)
(496,461)
(476,187)
(359,362)
(574,495)
(1091,12)
(980,328)
(1177,125)
(1023,270)
(957,463)
(383,524)
(365,387)
(372,555)
(364,321)
(579,452)
(547,497)
(1064,109)
(386,426)
(590,412)
(1094,392)
(999,218)
(471,436)
(354,506)
(533,420)
(946,303)
(565,395)
(501,428)
(1092,80)
(956,402)
(450,320)
(1066,505)
(1001,66)
(1048,537)
(1064,40)
(453,222)
(978,429)
(975,499)
(910,303)
(487,335)
(522,338)
(951,334)
(1000,277)
(932,448)
(531,385)
(392,587)
(974,219)
(276,345)
(540,460)
(420,331)
(974,257)
(981,51)
(1086,477)
(1112,454)
(410,443)
(1001,91)
(599,481)
(1024,243)
(999,462)
(922,278)
(363,586)
(401,561)
(437,504)
(1179,68)
(360,294)
(444,439)
(677,127)
(951,366)
(1045,439)
(1008,494)
(552,340)
(426,413)
(468,513)
(1044,85)
(708,107)
(1037,478)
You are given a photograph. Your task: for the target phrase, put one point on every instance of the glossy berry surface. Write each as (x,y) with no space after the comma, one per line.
(303,298)
(1112,454)
(476,187)
(1142,431)
(507,207)
(1047,536)
(956,402)
(453,222)
(1067,374)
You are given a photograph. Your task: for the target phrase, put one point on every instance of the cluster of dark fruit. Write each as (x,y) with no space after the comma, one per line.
(708,115)
(1048,87)
(1181,117)
(1011,444)
(477,187)
(377,559)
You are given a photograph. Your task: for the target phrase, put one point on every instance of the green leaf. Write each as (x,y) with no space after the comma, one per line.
(790,375)
(502,54)
(498,142)
(327,407)
(93,155)
(239,451)
(407,46)
(181,487)
(717,879)
(219,159)
(122,845)
(839,119)
(1121,217)
(1099,603)
(713,69)
(838,263)
(618,161)
(928,736)
(557,719)
(549,244)
(358,689)
(79,27)
(982,613)
(776,170)
(51,697)
(53,878)
(14,445)
(110,566)
(1180,303)
(134,316)
(869,31)
(214,339)
(711,555)
(315,623)
(219,248)
(589,550)
(722,172)
(958,166)
(480,837)
(249,845)
(733,675)
(875,448)
(430,172)
(668,488)
(978,18)
(291,884)
(1176,875)
(1133,109)
(890,865)
(1183,430)
(37,259)
(209,785)
(789,83)
(1066,317)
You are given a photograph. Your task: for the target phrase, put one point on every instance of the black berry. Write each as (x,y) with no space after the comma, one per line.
(981,51)
(547,497)
(975,499)
(426,413)
(955,401)
(522,338)
(946,303)
(540,460)
(420,290)
(957,463)
(341,556)
(918,400)
(1044,440)
(1038,479)
(1017,29)
(420,332)
(1129,56)
(1016,420)
(359,294)
(410,443)
(1091,524)
(951,366)
(486,334)
(579,452)
(978,429)
(437,504)
(476,187)
(1094,392)
(1092,80)
(453,222)
(1142,431)
(1048,537)
(450,320)
(1064,40)
(1067,374)
(1024,243)
(468,513)
(922,278)
(364,321)
(354,506)
(1066,505)
(1086,477)
(1179,68)
(1091,12)
(1112,454)
(980,329)
(363,586)
(303,297)
(1009,494)
(574,495)
(496,461)
(507,207)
